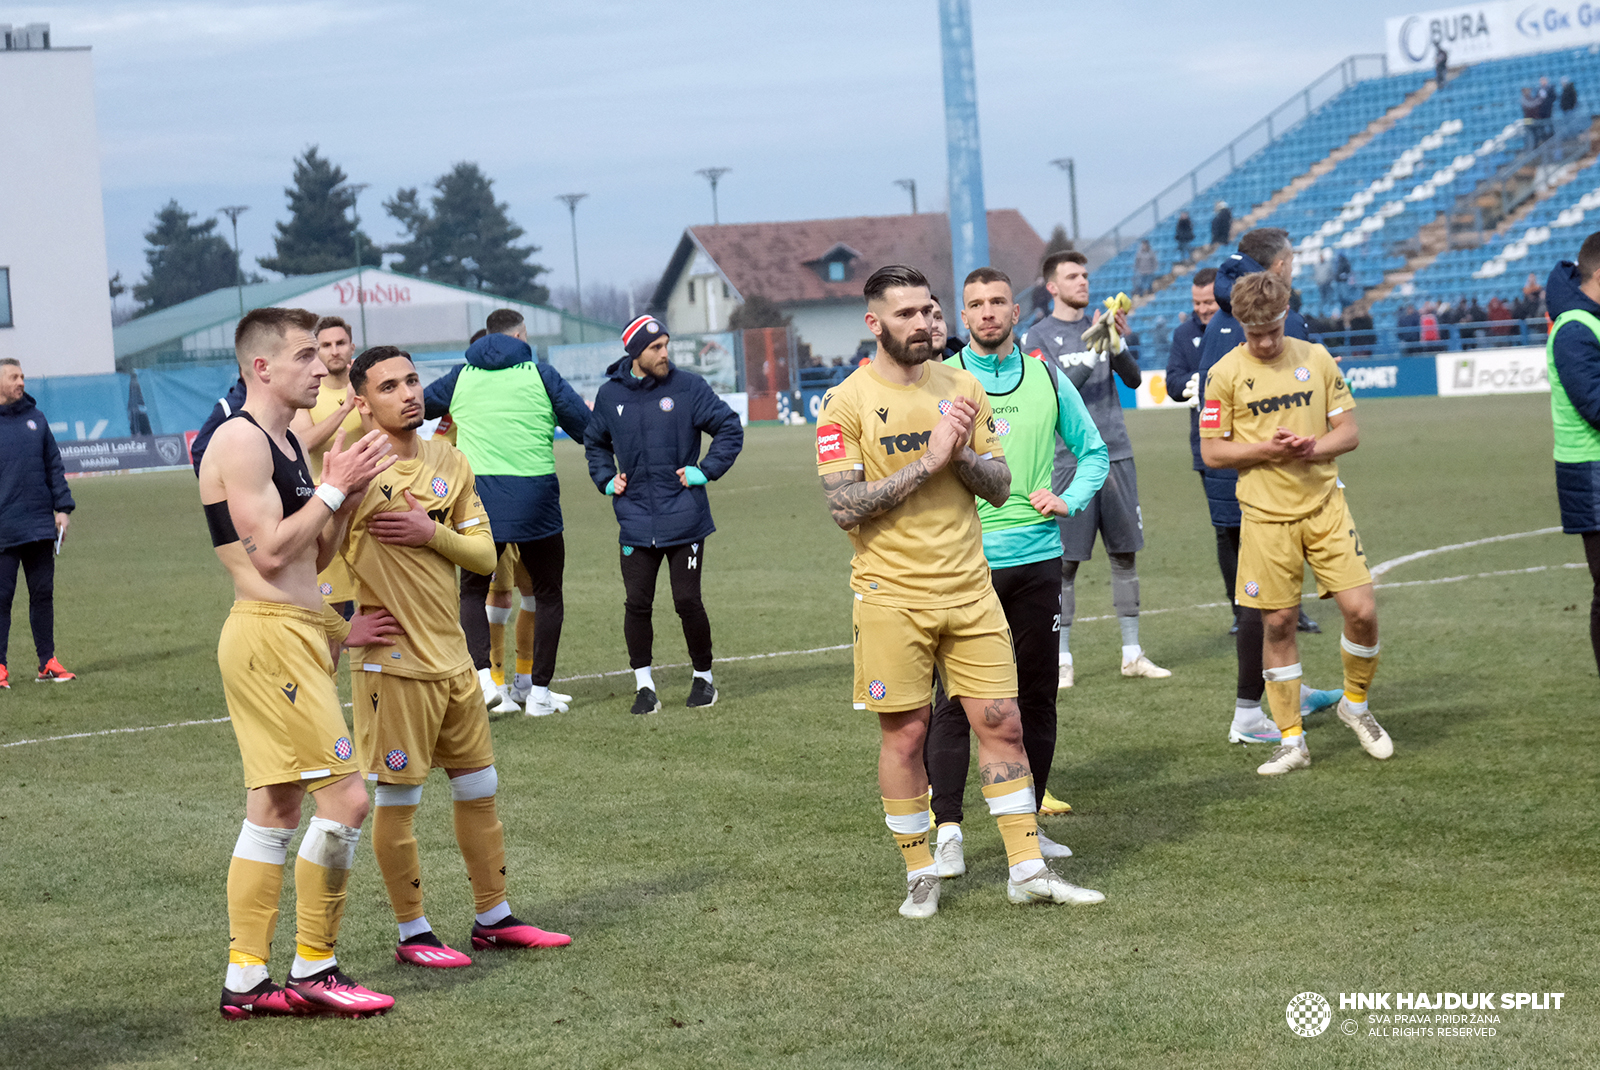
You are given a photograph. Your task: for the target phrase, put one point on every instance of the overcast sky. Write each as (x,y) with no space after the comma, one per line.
(817,106)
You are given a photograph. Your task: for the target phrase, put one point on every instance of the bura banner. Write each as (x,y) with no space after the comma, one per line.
(1470,33)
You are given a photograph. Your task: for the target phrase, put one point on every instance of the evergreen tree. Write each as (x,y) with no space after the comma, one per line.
(464,238)
(1059,242)
(319,235)
(184,260)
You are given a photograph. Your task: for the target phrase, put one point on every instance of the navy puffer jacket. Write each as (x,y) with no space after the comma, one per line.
(33,482)
(647,429)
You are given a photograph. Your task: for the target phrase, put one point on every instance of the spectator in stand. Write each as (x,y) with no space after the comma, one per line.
(1408,321)
(1428,318)
(1144,268)
(1530,118)
(1530,306)
(1474,318)
(1222,225)
(1499,317)
(1183,234)
(1547,106)
(1441,63)
(35,509)
(1322,274)
(1450,315)
(1569,95)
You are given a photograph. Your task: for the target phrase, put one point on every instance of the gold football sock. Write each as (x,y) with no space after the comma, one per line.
(482,840)
(394,842)
(525,641)
(321,872)
(1011,803)
(253,890)
(1360,666)
(1283,698)
(497,652)
(908,820)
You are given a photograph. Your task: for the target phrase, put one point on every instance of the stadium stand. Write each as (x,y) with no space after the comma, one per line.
(1383,174)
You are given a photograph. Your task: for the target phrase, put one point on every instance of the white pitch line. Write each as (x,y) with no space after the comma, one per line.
(112,732)
(1385,566)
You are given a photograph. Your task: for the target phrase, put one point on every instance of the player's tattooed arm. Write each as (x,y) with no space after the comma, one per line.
(851,499)
(249,544)
(989,479)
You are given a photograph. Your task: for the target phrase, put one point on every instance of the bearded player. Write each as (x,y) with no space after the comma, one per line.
(418,705)
(903,446)
(1278,410)
(273,532)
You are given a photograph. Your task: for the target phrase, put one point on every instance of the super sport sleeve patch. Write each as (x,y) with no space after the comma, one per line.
(830,443)
(1211,415)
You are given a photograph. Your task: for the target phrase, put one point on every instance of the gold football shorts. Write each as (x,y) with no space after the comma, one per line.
(896,651)
(508,571)
(1272,557)
(405,727)
(278,682)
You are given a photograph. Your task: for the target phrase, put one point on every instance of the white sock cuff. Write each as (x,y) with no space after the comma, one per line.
(260,844)
(643,678)
(479,785)
(330,844)
(907,824)
(397,795)
(1283,675)
(495,914)
(949,832)
(706,676)
(528,607)
(1357,649)
(497,614)
(1018,802)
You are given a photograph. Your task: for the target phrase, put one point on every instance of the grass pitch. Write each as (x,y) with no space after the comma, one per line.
(726,874)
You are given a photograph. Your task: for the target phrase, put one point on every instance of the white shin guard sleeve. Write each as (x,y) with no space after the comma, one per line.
(259,844)
(1018,802)
(397,795)
(1357,649)
(330,844)
(1282,675)
(497,614)
(907,824)
(479,785)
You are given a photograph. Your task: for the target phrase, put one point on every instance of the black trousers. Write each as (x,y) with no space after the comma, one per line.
(546,563)
(640,567)
(1591,551)
(1031,598)
(38,562)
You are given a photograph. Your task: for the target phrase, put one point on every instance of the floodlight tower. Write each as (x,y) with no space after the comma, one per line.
(969,225)
(910,186)
(571,201)
(713,175)
(1066,164)
(355,189)
(233,212)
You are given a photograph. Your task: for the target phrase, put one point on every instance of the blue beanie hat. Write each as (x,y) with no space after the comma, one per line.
(640,333)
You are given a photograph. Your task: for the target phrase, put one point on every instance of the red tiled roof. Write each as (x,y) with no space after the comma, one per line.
(771,259)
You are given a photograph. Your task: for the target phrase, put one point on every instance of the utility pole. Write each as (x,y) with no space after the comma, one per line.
(1065,163)
(713,175)
(571,201)
(910,186)
(233,212)
(354,189)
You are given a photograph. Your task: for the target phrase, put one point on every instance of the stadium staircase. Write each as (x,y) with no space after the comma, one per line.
(1299,183)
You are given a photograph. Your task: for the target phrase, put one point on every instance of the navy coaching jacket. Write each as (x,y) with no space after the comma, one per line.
(648,429)
(33,482)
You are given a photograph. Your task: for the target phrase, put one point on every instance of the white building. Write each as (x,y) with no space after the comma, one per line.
(813,270)
(55,305)
(383,308)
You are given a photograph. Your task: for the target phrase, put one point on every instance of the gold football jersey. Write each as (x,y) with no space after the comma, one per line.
(926,552)
(1247,400)
(328,402)
(416,583)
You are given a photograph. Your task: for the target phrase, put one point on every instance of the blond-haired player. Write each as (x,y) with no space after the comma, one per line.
(418,705)
(1279,410)
(334,411)
(903,445)
(273,530)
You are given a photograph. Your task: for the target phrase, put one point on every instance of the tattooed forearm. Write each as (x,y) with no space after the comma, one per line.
(988,479)
(851,499)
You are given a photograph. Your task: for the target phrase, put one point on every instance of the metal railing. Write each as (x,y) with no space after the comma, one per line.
(1486,206)
(1228,159)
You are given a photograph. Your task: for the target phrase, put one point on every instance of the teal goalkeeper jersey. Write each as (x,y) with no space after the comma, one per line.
(1031,409)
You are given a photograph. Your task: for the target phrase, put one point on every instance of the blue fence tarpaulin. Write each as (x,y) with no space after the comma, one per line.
(179,399)
(84,407)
